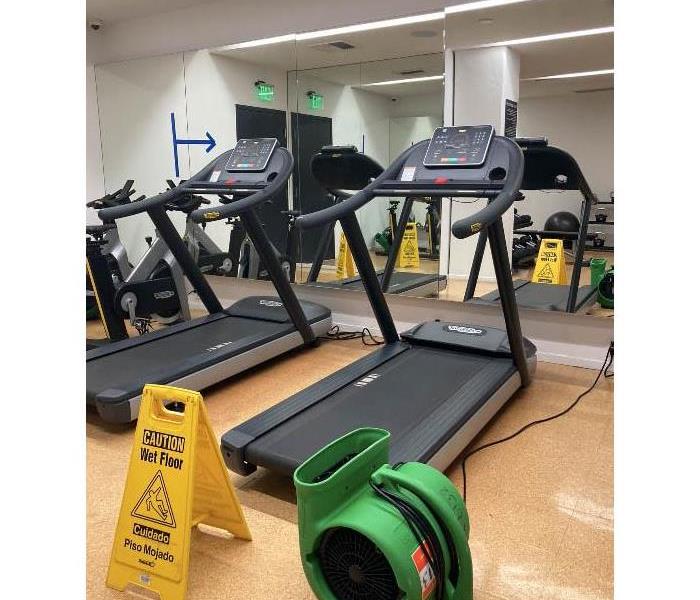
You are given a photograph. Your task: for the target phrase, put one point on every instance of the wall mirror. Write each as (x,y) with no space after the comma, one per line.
(361,99)
(540,70)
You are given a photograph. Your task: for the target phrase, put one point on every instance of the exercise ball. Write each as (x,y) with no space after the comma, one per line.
(562,221)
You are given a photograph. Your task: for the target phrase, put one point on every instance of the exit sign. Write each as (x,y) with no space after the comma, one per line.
(315,101)
(264,91)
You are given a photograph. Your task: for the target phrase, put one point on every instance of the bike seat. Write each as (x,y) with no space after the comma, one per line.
(99,229)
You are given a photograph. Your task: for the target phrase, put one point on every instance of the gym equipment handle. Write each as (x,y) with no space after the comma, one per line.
(353,203)
(494,209)
(226,211)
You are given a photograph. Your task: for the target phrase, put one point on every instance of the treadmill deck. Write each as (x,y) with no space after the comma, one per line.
(423,395)
(542,296)
(193,354)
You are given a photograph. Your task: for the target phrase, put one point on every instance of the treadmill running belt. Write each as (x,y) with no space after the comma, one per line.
(401,281)
(422,396)
(165,359)
(542,296)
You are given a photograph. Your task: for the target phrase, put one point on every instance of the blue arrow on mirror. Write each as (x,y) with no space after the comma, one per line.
(209,141)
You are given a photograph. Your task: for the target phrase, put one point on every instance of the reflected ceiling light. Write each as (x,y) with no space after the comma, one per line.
(481,4)
(572,75)
(566,35)
(312,35)
(409,80)
(261,42)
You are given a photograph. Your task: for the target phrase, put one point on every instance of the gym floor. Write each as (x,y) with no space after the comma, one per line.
(541,505)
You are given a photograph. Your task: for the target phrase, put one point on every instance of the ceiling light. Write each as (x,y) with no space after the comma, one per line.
(310,35)
(572,75)
(566,35)
(481,4)
(261,42)
(409,80)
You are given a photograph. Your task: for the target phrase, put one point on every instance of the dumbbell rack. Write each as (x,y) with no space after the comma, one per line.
(607,227)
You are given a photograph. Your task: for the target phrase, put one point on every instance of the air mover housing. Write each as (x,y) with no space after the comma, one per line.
(375,532)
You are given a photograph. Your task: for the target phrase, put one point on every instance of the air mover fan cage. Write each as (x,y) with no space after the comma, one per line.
(355,568)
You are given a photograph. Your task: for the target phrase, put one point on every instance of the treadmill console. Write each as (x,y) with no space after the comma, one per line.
(251,155)
(459,146)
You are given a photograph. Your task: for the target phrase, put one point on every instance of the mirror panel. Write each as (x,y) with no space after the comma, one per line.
(379,95)
(575,114)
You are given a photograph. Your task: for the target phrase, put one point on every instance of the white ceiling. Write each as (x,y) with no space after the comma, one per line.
(380,55)
(111,11)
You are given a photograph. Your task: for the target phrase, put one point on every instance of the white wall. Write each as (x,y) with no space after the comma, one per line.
(136,98)
(95,187)
(581,124)
(482,81)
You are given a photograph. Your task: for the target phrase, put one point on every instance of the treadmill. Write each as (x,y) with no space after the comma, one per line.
(200,352)
(546,168)
(435,386)
(342,168)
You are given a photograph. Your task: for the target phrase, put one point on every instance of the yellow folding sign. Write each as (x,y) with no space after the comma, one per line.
(550,266)
(344,264)
(176,480)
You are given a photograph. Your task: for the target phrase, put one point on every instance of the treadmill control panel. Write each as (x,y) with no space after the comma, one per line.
(459,146)
(251,155)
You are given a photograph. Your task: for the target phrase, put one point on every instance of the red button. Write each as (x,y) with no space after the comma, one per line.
(440,180)
(230,181)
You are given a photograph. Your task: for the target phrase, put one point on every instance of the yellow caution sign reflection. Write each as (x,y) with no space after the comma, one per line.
(176,480)
(409,255)
(550,266)
(344,264)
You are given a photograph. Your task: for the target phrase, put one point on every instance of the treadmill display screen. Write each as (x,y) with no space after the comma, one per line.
(251,155)
(459,146)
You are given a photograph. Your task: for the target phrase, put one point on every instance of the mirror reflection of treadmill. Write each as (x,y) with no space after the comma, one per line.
(332,168)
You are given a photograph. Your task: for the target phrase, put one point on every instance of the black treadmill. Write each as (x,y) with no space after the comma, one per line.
(342,168)
(435,386)
(546,168)
(203,351)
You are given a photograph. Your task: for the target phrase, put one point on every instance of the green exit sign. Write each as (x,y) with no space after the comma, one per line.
(315,101)
(264,91)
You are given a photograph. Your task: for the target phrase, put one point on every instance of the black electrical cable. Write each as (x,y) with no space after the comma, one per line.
(603,370)
(335,334)
(423,532)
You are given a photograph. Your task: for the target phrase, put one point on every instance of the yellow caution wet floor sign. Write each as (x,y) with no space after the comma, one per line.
(550,266)
(408,254)
(344,264)
(176,480)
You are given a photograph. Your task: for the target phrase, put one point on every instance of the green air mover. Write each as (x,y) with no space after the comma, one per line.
(369,531)
(606,296)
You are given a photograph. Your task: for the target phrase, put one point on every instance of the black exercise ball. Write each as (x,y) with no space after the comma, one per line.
(562,221)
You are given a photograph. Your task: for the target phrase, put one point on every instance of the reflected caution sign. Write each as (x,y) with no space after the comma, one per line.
(176,480)
(409,255)
(550,266)
(344,264)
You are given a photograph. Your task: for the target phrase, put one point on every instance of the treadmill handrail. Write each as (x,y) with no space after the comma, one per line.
(232,209)
(139,206)
(493,210)
(353,203)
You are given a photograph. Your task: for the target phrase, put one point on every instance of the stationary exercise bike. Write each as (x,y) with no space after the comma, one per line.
(152,290)
(246,260)
(210,259)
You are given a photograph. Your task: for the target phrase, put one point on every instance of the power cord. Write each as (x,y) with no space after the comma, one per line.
(609,357)
(335,334)
(424,534)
